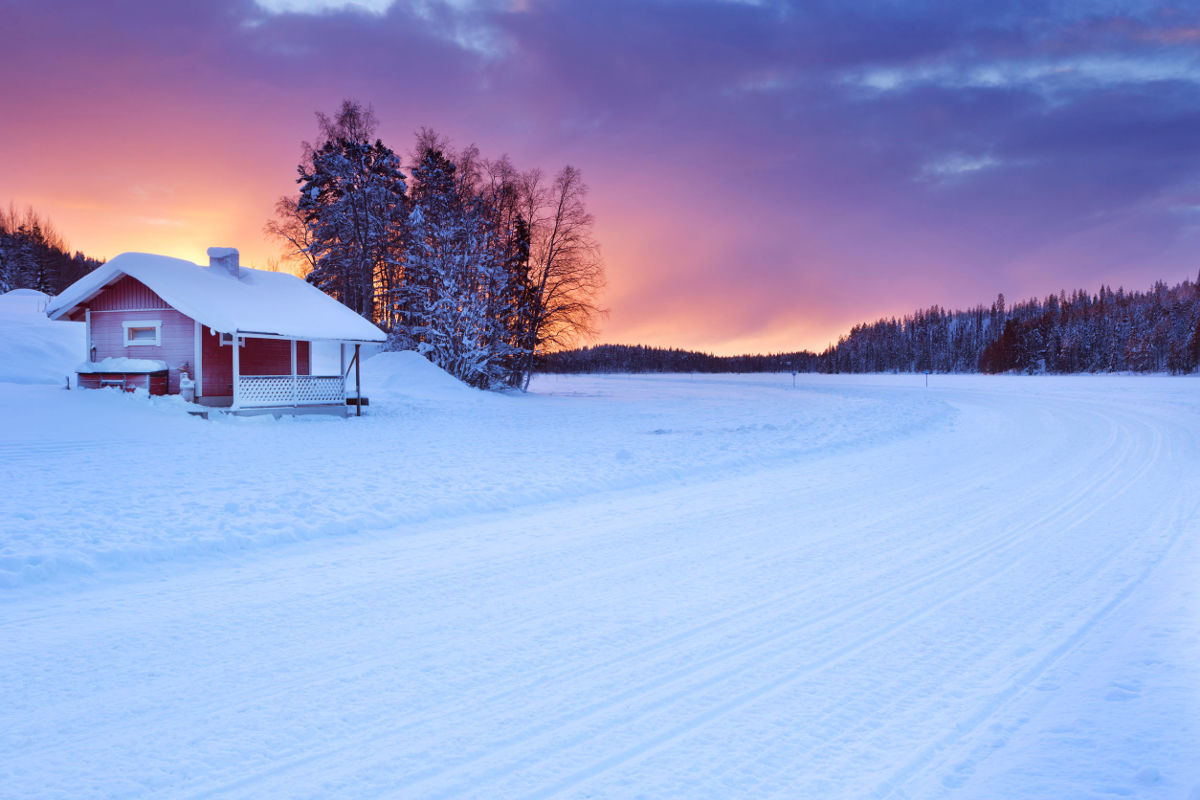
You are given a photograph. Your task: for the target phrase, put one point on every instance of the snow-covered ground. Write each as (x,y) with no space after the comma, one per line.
(655,586)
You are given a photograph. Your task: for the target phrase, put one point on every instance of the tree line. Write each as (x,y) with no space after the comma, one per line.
(1109,331)
(610,358)
(34,256)
(478,265)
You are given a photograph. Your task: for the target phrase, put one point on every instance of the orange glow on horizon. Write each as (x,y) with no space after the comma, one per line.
(165,204)
(645,306)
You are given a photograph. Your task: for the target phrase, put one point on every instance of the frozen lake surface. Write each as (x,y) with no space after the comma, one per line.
(623,586)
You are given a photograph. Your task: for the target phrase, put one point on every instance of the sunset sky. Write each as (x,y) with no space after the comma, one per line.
(763,175)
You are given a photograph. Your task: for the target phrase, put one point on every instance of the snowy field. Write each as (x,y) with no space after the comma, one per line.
(659,586)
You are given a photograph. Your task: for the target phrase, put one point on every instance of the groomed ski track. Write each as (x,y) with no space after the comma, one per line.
(1002,603)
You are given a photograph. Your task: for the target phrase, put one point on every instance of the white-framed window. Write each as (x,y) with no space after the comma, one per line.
(143,332)
(227,340)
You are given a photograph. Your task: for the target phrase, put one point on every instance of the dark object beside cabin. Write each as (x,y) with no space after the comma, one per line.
(154,382)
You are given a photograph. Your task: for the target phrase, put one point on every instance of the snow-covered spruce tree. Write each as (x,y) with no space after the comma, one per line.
(31,258)
(502,281)
(7,259)
(494,189)
(453,271)
(515,299)
(40,269)
(514,291)
(475,348)
(433,227)
(34,256)
(344,232)
(353,201)
(354,122)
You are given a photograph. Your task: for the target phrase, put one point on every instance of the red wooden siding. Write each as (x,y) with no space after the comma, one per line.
(127,294)
(257,357)
(218,365)
(129,300)
(272,357)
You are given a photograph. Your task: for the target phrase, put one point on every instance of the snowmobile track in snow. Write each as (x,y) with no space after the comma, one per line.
(908,617)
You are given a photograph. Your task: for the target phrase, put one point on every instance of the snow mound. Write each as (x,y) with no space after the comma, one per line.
(111,364)
(33,349)
(24,301)
(408,374)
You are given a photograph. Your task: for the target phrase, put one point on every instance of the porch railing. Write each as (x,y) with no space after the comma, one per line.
(256,391)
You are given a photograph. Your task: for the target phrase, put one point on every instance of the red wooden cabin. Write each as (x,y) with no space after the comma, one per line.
(243,336)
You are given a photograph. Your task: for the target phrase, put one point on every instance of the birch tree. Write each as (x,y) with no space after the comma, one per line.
(566,274)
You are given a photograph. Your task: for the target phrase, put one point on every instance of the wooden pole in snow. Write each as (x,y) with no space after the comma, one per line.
(357,385)
(295,380)
(237,372)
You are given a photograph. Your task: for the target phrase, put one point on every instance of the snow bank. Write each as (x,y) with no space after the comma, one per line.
(34,349)
(28,302)
(408,376)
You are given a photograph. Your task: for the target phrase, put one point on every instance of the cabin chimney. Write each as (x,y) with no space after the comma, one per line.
(225,258)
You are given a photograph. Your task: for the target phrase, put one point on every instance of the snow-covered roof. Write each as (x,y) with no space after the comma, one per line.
(254,302)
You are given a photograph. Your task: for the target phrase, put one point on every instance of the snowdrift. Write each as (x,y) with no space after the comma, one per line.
(33,349)
(408,376)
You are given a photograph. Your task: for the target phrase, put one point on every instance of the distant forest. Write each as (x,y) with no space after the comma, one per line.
(1110,331)
(640,358)
(34,256)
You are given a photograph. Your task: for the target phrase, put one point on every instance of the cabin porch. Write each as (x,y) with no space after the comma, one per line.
(261,374)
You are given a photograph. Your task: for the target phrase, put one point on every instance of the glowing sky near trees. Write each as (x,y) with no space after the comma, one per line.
(763,176)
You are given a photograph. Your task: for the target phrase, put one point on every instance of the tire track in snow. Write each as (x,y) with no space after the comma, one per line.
(755,694)
(752,648)
(333,677)
(765,690)
(884,696)
(1181,513)
(889,697)
(371,761)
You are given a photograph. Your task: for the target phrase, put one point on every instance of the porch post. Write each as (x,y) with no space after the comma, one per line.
(357,386)
(342,367)
(237,374)
(295,380)
(199,369)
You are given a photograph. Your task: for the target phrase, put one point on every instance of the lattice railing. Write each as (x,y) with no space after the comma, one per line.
(290,390)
